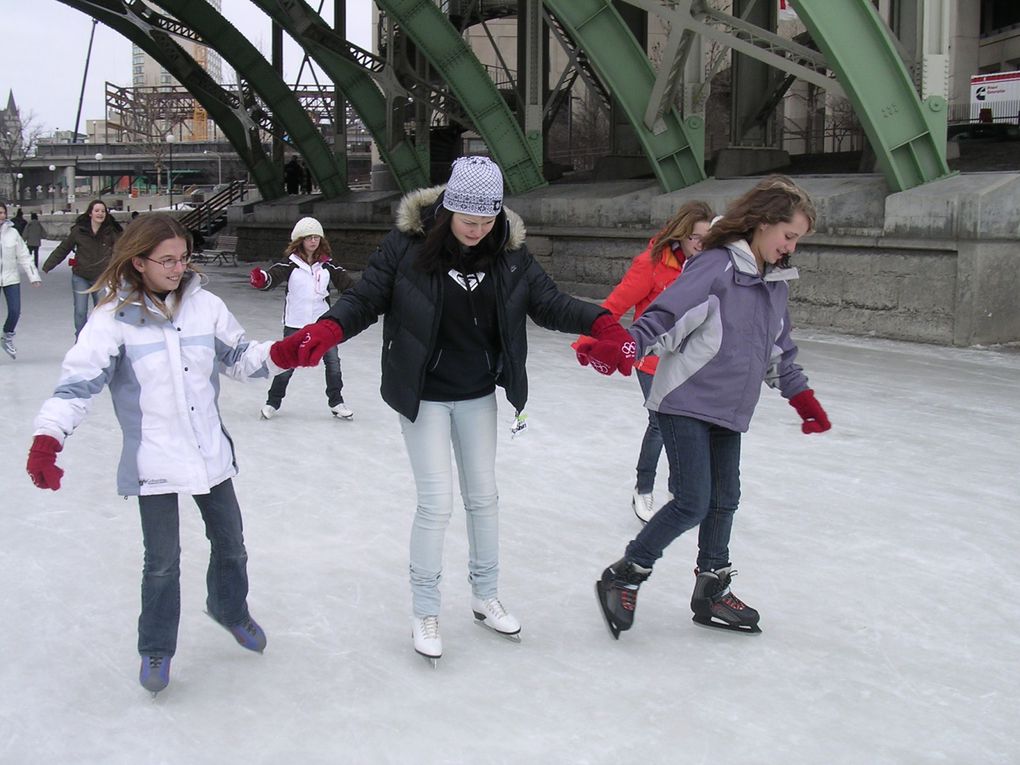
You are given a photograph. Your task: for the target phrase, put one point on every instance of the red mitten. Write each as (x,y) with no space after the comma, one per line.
(611,350)
(807,406)
(42,462)
(307,346)
(72,261)
(258,278)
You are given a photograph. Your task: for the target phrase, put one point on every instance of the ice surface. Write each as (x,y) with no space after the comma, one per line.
(882,555)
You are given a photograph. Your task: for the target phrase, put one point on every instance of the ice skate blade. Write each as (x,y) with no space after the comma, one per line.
(513,637)
(346,418)
(613,629)
(433,660)
(707,621)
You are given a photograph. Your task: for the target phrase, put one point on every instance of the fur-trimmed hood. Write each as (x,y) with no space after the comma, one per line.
(417,210)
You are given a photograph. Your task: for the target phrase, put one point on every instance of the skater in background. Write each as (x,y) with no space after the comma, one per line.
(649,274)
(33,235)
(160,341)
(306,274)
(19,221)
(456,285)
(719,331)
(92,237)
(13,255)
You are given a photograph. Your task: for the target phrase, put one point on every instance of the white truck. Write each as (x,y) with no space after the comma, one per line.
(995,97)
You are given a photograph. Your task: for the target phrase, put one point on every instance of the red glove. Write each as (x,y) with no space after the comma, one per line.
(72,261)
(807,406)
(610,348)
(307,346)
(258,278)
(42,462)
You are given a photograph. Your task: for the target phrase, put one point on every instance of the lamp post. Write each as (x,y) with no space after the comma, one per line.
(53,187)
(219,166)
(19,176)
(170,169)
(99,161)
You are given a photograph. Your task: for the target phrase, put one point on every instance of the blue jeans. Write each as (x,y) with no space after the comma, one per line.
(12,294)
(79,285)
(651,444)
(334,381)
(471,427)
(704,468)
(226,578)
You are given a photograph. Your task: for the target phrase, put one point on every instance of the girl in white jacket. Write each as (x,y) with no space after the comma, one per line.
(160,342)
(13,253)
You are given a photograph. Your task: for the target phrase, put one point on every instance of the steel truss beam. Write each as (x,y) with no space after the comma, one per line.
(237,125)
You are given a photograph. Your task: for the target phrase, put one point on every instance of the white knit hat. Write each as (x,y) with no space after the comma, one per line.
(475,187)
(306,227)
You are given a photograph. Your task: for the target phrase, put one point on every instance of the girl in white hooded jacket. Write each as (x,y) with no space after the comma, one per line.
(160,342)
(13,253)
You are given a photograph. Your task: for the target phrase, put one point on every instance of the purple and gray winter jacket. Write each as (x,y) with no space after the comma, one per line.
(720,330)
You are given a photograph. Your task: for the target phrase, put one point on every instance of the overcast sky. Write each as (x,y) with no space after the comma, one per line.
(45,45)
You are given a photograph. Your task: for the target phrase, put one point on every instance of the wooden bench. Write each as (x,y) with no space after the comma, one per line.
(224,253)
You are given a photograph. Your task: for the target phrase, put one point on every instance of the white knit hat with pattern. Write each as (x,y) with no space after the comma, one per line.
(475,187)
(306,227)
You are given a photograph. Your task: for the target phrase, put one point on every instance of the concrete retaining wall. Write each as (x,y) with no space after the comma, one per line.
(938,264)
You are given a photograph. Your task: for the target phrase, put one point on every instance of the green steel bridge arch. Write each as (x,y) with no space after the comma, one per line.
(334,55)
(907,135)
(222,106)
(457,64)
(284,106)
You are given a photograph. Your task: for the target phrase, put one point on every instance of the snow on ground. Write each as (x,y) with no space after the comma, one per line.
(882,556)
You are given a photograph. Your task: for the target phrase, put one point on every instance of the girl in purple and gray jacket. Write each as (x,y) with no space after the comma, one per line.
(720,330)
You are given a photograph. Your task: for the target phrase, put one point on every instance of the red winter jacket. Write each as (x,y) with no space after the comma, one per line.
(644,281)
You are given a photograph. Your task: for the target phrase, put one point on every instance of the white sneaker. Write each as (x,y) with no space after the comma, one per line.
(490,613)
(8,344)
(644,506)
(425,631)
(342,411)
(268,412)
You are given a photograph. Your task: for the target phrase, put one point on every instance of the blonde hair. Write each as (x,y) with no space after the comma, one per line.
(681,225)
(775,199)
(295,246)
(139,239)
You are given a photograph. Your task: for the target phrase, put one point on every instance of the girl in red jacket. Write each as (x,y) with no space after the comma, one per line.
(649,274)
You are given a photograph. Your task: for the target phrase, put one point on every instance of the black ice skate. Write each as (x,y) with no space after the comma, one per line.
(715,605)
(617,593)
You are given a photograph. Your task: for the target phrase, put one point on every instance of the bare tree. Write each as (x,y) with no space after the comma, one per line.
(18,138)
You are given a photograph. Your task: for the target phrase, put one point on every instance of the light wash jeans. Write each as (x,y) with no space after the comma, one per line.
(471,427)
(79,285)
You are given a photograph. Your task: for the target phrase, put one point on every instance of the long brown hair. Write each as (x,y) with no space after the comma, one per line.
(775,199)
(322,249)
(681,225)
(139,239)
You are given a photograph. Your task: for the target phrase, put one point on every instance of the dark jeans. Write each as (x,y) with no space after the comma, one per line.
(33,250)
(334,380)
(12,294)
(651,444)
(704,467)
(226,579)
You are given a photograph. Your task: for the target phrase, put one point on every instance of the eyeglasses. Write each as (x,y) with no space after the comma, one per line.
(171,263)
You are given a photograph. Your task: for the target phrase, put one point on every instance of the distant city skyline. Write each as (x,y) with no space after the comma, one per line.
(47,41)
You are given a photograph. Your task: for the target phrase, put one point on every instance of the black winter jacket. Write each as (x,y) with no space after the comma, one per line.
(409,299)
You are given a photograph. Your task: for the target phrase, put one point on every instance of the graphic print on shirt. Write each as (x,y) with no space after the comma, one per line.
(467,282)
